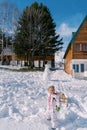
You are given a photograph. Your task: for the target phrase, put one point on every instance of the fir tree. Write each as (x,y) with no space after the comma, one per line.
(36,34)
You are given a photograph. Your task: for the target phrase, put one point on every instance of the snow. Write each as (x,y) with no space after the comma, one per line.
(59,58)
(46,74)
(23,101)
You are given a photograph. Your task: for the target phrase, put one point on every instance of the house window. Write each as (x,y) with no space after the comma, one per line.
(76,68)
(84,47)
(82,67)
(73,66)
(78,47)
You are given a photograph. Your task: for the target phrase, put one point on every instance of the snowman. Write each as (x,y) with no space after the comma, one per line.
(46,74)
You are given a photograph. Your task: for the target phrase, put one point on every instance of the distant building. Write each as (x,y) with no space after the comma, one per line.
(8,57)
(75,58)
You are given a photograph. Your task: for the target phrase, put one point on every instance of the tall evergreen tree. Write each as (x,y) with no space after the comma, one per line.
(36,33)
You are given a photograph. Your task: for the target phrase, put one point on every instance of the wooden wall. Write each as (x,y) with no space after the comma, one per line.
(68,61)
(36,57)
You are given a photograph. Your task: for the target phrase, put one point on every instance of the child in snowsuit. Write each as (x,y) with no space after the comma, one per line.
(53,106)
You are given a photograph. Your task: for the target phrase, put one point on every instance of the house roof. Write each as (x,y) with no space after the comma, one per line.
(74,35)
(7,51)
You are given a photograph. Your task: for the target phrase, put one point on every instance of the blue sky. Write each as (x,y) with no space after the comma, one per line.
(67,14)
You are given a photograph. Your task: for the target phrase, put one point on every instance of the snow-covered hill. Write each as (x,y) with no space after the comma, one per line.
(23,101)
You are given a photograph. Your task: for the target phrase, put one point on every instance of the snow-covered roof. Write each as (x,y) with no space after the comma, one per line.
(7,51)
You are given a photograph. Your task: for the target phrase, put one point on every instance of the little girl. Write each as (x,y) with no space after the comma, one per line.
(53,106)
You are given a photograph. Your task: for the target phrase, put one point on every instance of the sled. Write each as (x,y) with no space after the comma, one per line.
(63,98)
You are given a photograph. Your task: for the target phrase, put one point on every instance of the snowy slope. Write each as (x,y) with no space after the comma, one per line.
(23,101)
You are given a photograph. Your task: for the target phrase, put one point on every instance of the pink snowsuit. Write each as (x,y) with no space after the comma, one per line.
(52,102)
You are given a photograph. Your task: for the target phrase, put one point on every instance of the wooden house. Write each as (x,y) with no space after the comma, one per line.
(75,58)
(7,57)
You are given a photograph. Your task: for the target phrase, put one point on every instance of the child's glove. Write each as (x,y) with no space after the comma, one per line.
(57,108)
